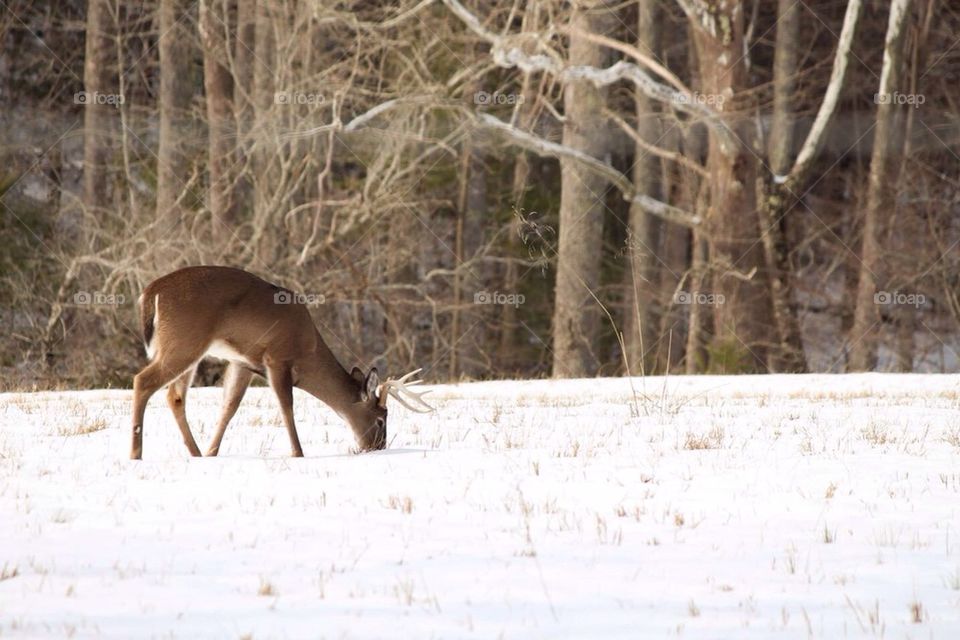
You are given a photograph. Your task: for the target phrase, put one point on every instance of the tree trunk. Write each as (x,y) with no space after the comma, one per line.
(175,94)
(676,242)
(788,354)
(244,62)
(525,115)
(466,326)
(780,143)
(778,191)
(908,225)
(696,353)
(263,74)
(581,210)
(263,137)
(506,350)
(741,303)
(99,114)
(221,126)
(881,201)
(641,309)
(686,248)
(244,59)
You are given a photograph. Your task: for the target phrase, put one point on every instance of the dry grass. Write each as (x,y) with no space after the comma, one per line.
(952,581)
(404,504)
(917,612)
(84,427)
(828,536)
(711,440)
(877,434)
(9,572)
(266,589)
(404,591)
(952,436)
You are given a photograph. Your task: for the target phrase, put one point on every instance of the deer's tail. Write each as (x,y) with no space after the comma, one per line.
(148,312)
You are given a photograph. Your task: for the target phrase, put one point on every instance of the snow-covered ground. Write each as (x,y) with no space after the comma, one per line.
(708,507)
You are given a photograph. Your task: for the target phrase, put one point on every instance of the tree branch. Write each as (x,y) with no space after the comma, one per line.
(512,51)
(673,156)
(522,139)
(831,96)
(634,53)
(547,148)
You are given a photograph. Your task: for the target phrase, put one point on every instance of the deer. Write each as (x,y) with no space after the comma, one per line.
(260,329)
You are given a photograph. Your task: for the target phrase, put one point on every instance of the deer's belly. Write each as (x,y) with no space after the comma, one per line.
(224,351)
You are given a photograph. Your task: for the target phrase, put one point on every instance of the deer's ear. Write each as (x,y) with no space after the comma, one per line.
(373,381)
(357,374)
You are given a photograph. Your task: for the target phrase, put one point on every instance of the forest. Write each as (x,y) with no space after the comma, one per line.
(489,190)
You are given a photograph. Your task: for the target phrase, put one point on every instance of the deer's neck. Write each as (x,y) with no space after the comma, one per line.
(323,377)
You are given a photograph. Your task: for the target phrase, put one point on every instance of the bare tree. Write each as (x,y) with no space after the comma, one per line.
(99,110)
(261,154)
(581,205)
(780,190)
(525,114)
(466,323)
(742,317)
(642,320)
(244,61)
(789,352)
(176,90)
(221,136)
(350,162)
(881,201)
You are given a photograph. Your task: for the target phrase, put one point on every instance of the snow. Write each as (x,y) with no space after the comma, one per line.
(706,507)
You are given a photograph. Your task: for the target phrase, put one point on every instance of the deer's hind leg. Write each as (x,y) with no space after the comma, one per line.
(177,399)
(236,379)
(151,379)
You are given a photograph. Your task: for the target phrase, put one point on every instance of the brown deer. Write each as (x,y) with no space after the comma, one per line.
(259,328)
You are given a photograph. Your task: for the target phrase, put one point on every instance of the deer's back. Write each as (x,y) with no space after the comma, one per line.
(223,306)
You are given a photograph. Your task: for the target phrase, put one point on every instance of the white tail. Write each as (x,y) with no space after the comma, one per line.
(258,328)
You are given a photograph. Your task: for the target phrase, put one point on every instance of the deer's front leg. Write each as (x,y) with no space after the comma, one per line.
(281,381)
(235,383)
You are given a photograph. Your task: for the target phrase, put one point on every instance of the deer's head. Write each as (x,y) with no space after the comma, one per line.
(368,415)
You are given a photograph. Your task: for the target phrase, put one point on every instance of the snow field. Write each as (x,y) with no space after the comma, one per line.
(706,507)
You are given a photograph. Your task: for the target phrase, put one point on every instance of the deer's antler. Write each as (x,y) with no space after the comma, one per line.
(395,387)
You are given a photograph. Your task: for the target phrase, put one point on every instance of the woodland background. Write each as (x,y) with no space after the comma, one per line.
(490,189)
